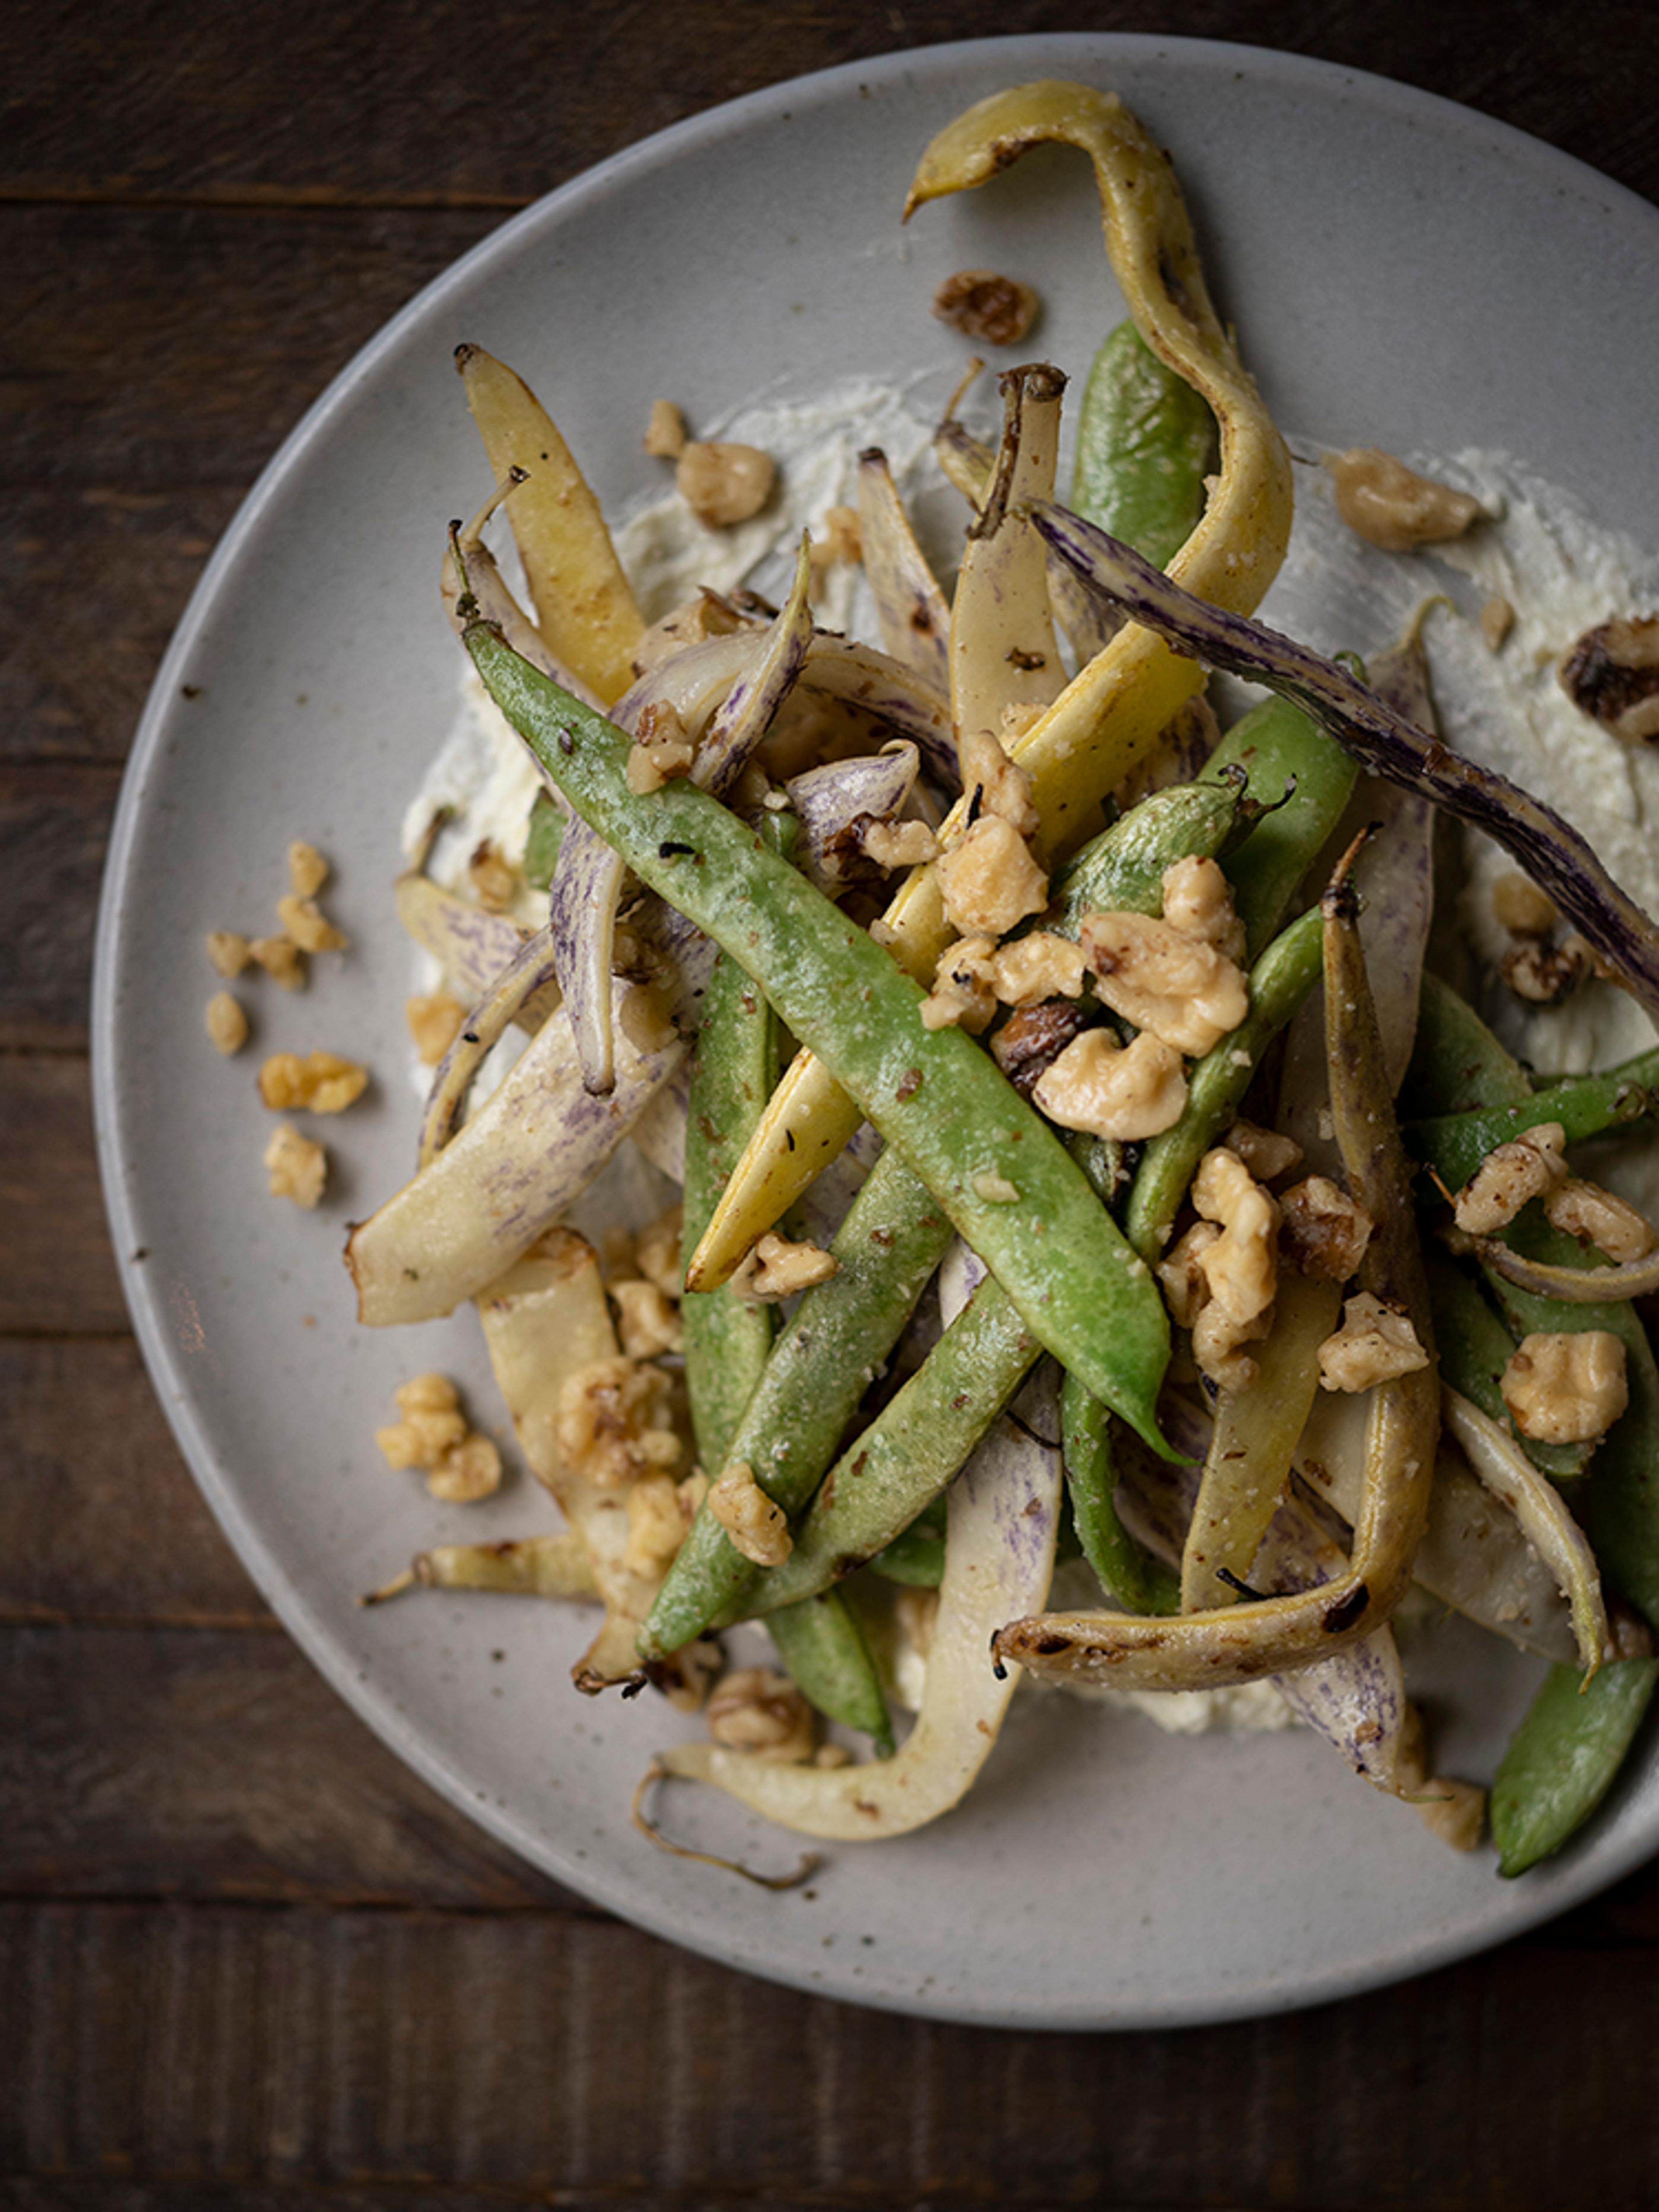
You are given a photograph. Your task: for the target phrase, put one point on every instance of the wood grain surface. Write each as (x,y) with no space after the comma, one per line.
(247,1961)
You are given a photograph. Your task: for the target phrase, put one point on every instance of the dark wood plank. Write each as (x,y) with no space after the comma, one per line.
(161,349)
(92,1475)
(54,824)
(163,1762)
(541,2054)
(92,582)
(59,1278)
(378,103)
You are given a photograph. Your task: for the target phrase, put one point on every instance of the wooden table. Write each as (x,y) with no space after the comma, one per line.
(245,1960)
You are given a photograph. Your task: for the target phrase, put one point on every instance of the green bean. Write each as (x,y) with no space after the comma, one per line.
(1002,1175)
(1562,1759)
(892,1239)
(1121,871)
(1145,442)
(1280,982)
(907,1455)
(1288,759)
(916,1558)
(824,1649)
(1475,1347)
(543,839)
(1139,1582)
(1584,1105)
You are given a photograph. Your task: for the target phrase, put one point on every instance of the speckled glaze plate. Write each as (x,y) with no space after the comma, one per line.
(1402,272)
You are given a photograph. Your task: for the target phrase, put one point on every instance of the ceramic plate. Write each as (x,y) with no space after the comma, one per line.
(1402,273)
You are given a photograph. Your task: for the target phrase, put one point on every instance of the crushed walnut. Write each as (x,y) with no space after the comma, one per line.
(615,1423)
(647,1322)
(991,783)
(1198,899)
(1181,1272)
(1519,906)
(228,951)
(724,484)
(1596,1216)
(1510,1176)
(842,540)
(1374,1345)
(1388,504)
(1040,965)
(1032,1039)
(1265,1152)
(758,1711)
(756,1527)
(495,879)
(1497,621)
(296,1167)
(662,748)
(664,433)
(896,844)
(1126,1092)
(656,1526)
(307,870)
(461,1464)
(1544,974)
(282,960)
(304,920)
(227,1022)
(1168,981)
(963,996)
(321,1083)
(988,880)
(435,1022)
(1612,674)
(776,1268)
(657,1252)
(1240,1268)
(989,308)
(1566,1388)
(1324,1232)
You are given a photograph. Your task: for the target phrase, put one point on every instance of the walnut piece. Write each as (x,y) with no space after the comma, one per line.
(1520,906)
(724,484)
(1324,1232)
(1168,981)
(307,870)
(1543,973)
(663,748)
(296,1166)
(647,1322)
(228,951)
(1032,1039)
(1497,621)
(322,1082)
(304,920)
(613,1423)
(963,996)
(658,1252)
(1240,1268)
(759,1710)
(282,960)
(494,880)
(435,1022)
(656,1526)
(775,1268)
(1265,1152)
(1566,1388)
(994,784)
(989,880)
(1198,899)
(842,540)
(1586,1210)
(1510,1176)
(665,433)
(756,1527)
(1114,1090)
(991,309)
(1388,504)
(227,1022)
(896,844)
(1038,966)
(467,1471)
(1373,1346)
(1611,673)
(1181,1272)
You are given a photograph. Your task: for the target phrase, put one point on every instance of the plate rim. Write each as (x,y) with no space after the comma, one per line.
(1573,1880)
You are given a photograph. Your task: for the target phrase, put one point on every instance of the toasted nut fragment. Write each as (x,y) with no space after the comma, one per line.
(1373,1346)
(1508,1177)
(1454,1812)
(493,880)
(658,1256)
(1544,974)
(1323,1233)
(841,541)
(723,484)
(962,996)
(307,924)
(297,1166)
(1042,965)
(990,309)
(226,1023)
(756,1527)
(646,1322)
(613,1423)
(1497,621)
(1388,504)
(995,1189)
(759,1710)
(989,880)
(1518,905)
(1197,898)
(322,1082)
(1612,673)
(1032,1039)
(1566,1389)
(993,784)
(435,1022)
(1240,1267)
(433,1424)
(705,616)
(307,870)
(684,1679)
(663,748)
(656,1526)
(1165,980)
(228,951)
(896,844)
(776,1269)
(1265,1152)
(282,960)
(665,433)
(832,1754)
(1585,1209)
(1111,1090)
(1186,1287)
(467,1471)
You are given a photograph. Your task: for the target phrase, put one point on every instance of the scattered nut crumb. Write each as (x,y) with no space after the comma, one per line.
(310,928)
(322,1082)
(657,1252)
(775,1268)
(1497,621)
(493,880)
(647,1322)
(759,1710)
(841,541)
(435,1022)
(1584,1210)
(228,951)
(307,870)
(896,844)
(665,433)
(1388,504)
(1518,905)
(724,484)
(989,880)
(1508,1177)
(1611,673)
(656,1526)
(995,1189)
(227,1022)
(469,1471)
(282,960)
(756,1527)
(990,309)
(1374,1345)
(297,1166)
(1566,1388)
(1324,1232)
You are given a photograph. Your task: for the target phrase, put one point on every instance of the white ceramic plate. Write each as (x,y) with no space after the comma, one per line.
(1403,273)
